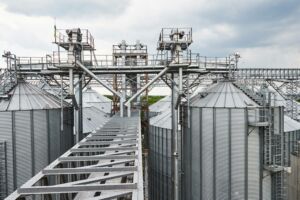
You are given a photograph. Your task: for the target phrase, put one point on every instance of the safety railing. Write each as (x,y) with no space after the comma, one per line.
(137,49)
(61,37)
(167,33)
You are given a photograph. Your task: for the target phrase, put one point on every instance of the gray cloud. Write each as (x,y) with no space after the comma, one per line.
(248,25)
(67,8)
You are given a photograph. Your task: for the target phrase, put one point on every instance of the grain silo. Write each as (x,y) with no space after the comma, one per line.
(30,132)
(91,97)
(160,132)
(93,118)
(160,106)
(223,145)
(291,138)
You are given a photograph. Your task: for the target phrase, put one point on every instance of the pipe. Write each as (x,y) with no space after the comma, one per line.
(104,85)
(80,114)
(122,106)
(147,85)
(180,81)
(129,110)
(71,89)
(97,79)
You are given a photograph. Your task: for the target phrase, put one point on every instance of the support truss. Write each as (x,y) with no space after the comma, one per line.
(107,164)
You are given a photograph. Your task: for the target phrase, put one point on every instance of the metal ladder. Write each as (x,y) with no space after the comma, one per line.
(273,151)
(8,80)
(272,142)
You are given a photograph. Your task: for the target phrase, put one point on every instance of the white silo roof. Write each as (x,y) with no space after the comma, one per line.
(161,105)
(290,124)
(26,96)
(91,97)
(93,118)
(223,95)
(163,120)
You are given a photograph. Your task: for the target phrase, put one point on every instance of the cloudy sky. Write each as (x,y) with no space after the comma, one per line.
(265,32)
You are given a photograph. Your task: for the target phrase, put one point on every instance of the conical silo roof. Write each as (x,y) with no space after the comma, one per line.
(290,124)
(163,120)
(223,95)
(26,96)
(93,118)
(161,105)
(91,97)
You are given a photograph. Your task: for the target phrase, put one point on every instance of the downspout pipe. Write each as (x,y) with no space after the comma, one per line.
(79,64)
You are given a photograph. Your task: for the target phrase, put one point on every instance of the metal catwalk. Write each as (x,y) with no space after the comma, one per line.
(107,164)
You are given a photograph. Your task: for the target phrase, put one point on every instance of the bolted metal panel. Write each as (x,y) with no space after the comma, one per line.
(238,154)
(67,137)
(54,133)
(23,147)
(291,136)
(253,164)
(207,154)
(194,157)
(160,163)
(220,160)
(266,185)
(40,140)
(3,170)
(26,96)
(222,153)
(6,135)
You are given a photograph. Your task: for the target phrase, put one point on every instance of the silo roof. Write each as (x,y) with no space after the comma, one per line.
(26,96)
(91,97)
(93,118)
(163,120)
(161,105)
(222,95)
(290,124)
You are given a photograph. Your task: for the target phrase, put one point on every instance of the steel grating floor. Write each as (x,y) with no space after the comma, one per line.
(107,164)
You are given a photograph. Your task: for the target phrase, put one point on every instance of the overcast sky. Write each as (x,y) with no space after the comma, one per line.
(265,32)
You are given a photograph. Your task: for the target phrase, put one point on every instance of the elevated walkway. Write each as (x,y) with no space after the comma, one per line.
(107,164)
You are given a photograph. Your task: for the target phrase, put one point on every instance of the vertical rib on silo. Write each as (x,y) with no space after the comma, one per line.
(40,140)
(23,147)
(6,135)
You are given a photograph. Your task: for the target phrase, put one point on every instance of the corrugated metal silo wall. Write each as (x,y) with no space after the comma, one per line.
(60,142)
(67,139)
(293,183)
(6,135)
(160,186)
(290,145)
(40,140)
(220,160)
(33,139)
(23,147)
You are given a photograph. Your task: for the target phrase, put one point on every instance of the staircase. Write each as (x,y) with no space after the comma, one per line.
(255,96)
(273,161)
(8,80)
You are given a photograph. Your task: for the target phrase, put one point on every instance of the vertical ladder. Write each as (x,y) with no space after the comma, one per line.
(273,150)
(291,104)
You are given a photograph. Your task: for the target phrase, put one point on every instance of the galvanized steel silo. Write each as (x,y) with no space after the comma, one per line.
(30,127)
(222,152)
(91,97)
(291,138)
(160,106)
(160,131)
(93,118)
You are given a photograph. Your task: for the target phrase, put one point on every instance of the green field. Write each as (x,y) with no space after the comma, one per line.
(151,99)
